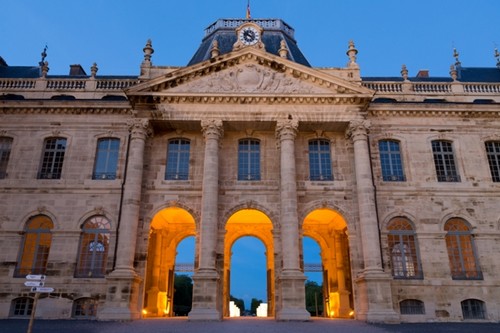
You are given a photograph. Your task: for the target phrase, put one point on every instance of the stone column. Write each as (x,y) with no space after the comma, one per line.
(205,293)
(291,279)
(374,285)
(122,302)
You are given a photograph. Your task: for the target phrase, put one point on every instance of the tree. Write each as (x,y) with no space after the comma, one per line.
(254,305)
(183,294)
(239,303)
(314,298)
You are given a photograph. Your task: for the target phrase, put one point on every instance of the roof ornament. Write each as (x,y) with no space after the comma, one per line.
(44,55)
(453,72)
(148,51)
(404,72)
(456,55)
(351,53)
(45,68)
(93,70)
(214,51)
(248,15)
(497,56)
(283,51)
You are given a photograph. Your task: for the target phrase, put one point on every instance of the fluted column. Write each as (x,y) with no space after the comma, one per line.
(291,279)
(206,305)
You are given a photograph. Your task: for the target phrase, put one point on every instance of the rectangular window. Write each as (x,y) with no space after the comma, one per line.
(444,161)
(493,153)
(106,161)
(52,158)
(249,160)
(177,160)
(390,161)
(320,164)
(5,147)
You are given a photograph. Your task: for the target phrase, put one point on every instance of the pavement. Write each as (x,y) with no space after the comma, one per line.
(238,325)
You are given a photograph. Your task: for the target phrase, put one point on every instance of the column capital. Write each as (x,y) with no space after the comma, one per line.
(139,128)
(212,128)
(358,130)
(286,129)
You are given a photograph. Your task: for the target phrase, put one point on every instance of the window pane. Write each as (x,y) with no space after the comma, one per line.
(94,247)
(249,160)
(106,162)
(177,160)
(461,251)
(390,161)
(411,307)
(473,309)
(402,243)
(53,158)
(320,164)
(444,161)
(493,153)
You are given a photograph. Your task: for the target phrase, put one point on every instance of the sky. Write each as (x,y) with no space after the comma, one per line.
(387,33)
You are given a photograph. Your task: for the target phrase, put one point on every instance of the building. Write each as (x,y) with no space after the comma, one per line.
(396,178)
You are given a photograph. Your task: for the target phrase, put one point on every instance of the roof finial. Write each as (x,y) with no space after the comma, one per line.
(453,72)
(148,51)
(283,51)
(248,15)
(456,55)
(351,53)
(497,56)
(93,70)
(44,55)
(215,49)
(404,72)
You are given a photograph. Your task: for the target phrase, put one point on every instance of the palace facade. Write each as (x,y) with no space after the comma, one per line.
(396,178)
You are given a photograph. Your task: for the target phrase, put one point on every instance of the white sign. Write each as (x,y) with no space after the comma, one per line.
(34,283)
(35,277)
(42,290)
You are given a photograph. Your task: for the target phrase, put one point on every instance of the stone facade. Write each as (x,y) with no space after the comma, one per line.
(427,269)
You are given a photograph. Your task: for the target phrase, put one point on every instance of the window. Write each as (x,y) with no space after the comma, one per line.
(473,309)
(94,247)
(444,161)
(177,160)
(21,307)
(249,159)
(493,152)
(390,161)
(411,307)
(53,158)
(85,308)
(106,161)
(403,249)
(461,251)
(35,246)
(5,147)
(320,164)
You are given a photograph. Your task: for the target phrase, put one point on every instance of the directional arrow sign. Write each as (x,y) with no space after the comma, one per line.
(42,290)
(35,277)
(34,283)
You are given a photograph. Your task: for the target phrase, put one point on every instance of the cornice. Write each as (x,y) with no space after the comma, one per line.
(422,110)
(79,107)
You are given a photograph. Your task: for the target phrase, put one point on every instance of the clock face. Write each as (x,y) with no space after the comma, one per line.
(249,35)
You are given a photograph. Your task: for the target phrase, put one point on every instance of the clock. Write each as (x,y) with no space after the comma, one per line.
(249,35)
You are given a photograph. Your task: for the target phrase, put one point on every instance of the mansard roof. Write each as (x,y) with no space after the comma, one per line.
(223,31)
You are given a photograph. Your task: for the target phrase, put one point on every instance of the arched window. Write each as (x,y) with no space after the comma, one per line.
(52,158)
(320,162)
(461,250)
(177,160)
(94,247)
(473,309)
(493,153)
(21,307)
(249,159)
(5,147)
(403,249)
(106,159)
(411,307)
(390,161)
(35,247)
(444,161)
(85,308)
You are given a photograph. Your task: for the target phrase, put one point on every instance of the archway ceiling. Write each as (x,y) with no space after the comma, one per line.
(172,216)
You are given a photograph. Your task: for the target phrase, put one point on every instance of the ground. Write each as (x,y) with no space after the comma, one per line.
(239,325)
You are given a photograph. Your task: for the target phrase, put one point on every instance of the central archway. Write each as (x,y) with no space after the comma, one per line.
(329,229)
(249,222)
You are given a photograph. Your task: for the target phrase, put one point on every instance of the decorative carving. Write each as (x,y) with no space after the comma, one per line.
(41,209)
(139,127)
(358,129)
(215,49)
(212,128)
(286,129)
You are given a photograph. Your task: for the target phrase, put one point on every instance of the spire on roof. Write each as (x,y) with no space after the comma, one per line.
(404,72)
(497,56)
(248,15)
(456,55)
(351,53)
(44,55)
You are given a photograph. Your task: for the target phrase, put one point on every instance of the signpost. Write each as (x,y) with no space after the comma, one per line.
(37,282)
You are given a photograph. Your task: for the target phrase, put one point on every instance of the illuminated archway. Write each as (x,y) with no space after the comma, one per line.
(329,229)
(249,222)
(168,228)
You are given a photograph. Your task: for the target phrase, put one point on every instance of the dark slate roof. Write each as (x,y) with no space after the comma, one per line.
(15,72)
(223,30)
(464,74)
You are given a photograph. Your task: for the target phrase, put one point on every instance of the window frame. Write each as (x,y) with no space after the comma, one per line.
(391,161)
(177,164)
(473,309)
(52,161)
(249,159)
(5,151)
(81,307)
(406,263)
(411,307)
(493,155)
(24,304)
(445,162)
(320,160)
(91,260)
(108,156)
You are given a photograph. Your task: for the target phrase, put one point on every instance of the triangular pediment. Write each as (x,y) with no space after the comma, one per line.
(249,72)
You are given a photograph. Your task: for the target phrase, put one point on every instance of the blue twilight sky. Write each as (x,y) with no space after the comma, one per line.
(387,33)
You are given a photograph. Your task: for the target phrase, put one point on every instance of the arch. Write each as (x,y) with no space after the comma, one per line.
(249,222)
(329,228)
(93,247)
(254,205)
(386,220)
(326,204)
(168,227)
(473,309)
(84,308)
(411,307)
